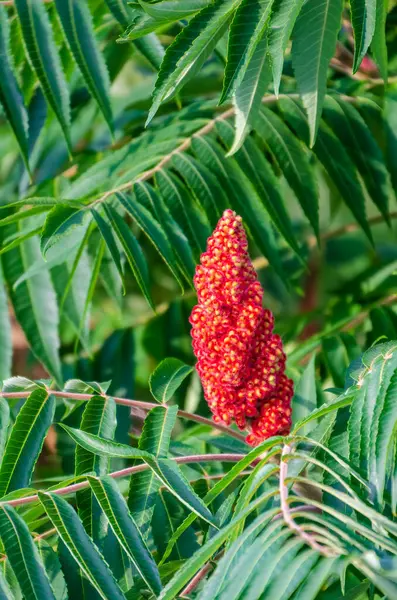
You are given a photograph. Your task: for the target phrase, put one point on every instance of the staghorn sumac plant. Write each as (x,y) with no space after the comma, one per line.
(198,300)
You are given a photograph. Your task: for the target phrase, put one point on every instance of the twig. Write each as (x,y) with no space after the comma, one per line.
(304,508)
(12,2)
(199,576)
(286,511)
(45,534)
(360,318)
(181,148)
(76,487)
(350,227)
(37,538)
(183,414)
(196,580)
(339,66)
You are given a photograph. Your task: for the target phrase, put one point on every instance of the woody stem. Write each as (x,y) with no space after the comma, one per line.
(134,404)
(76,487)
(286,511)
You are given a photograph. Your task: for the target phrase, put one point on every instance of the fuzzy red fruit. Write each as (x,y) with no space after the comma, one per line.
(240,360)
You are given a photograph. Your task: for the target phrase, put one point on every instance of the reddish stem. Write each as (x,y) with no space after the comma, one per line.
(133,404)
(286,511)
(197,458)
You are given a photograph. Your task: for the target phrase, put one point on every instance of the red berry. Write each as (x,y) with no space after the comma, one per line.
(240,361)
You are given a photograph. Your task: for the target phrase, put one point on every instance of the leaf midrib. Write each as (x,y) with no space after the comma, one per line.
(43,70)
(21,550)
(37,320)
(11,473)
(70,540)
(122,536)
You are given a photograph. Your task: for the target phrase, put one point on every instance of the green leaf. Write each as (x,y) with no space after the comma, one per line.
(293,162)
(177,199)
(193,564)
(363,21)
(153,230)
(336,359)
(383,323)
(21,384)
(173,9)
(385,585)
(72,296)
(281,25)
(12,581)
(257,477)
(23,214)
(305,396)
(155,439)
(167,377)
(340,402)
(356,137)
(73,535)
(335,160)
(23,556)
(61,223)
(385,438)
(86,387)
(10,94)
(150,47)
(107,234)
(247,31)
(42,266)
(340,168)
(277,560)
(221,485)
(126,530)
(4,424)
(393,481)
(320,574)
(53,570)
(203,185)
(103,447)
(369,394)
(379,46)
(191,47)
(35,305)
(26,441)
(48,201)
(155,16)
(73,575)
(79,32)
(315,35)
(120,10)
(96,268)
(99,418)
(5,333)
(132,250)
(180,245)
(172,478)
(111,280)
(44,58)
(19,240)
(290,574)
(239,566)
(243,198)
(381,370)
(247,98)
(259,172)
(5,590)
